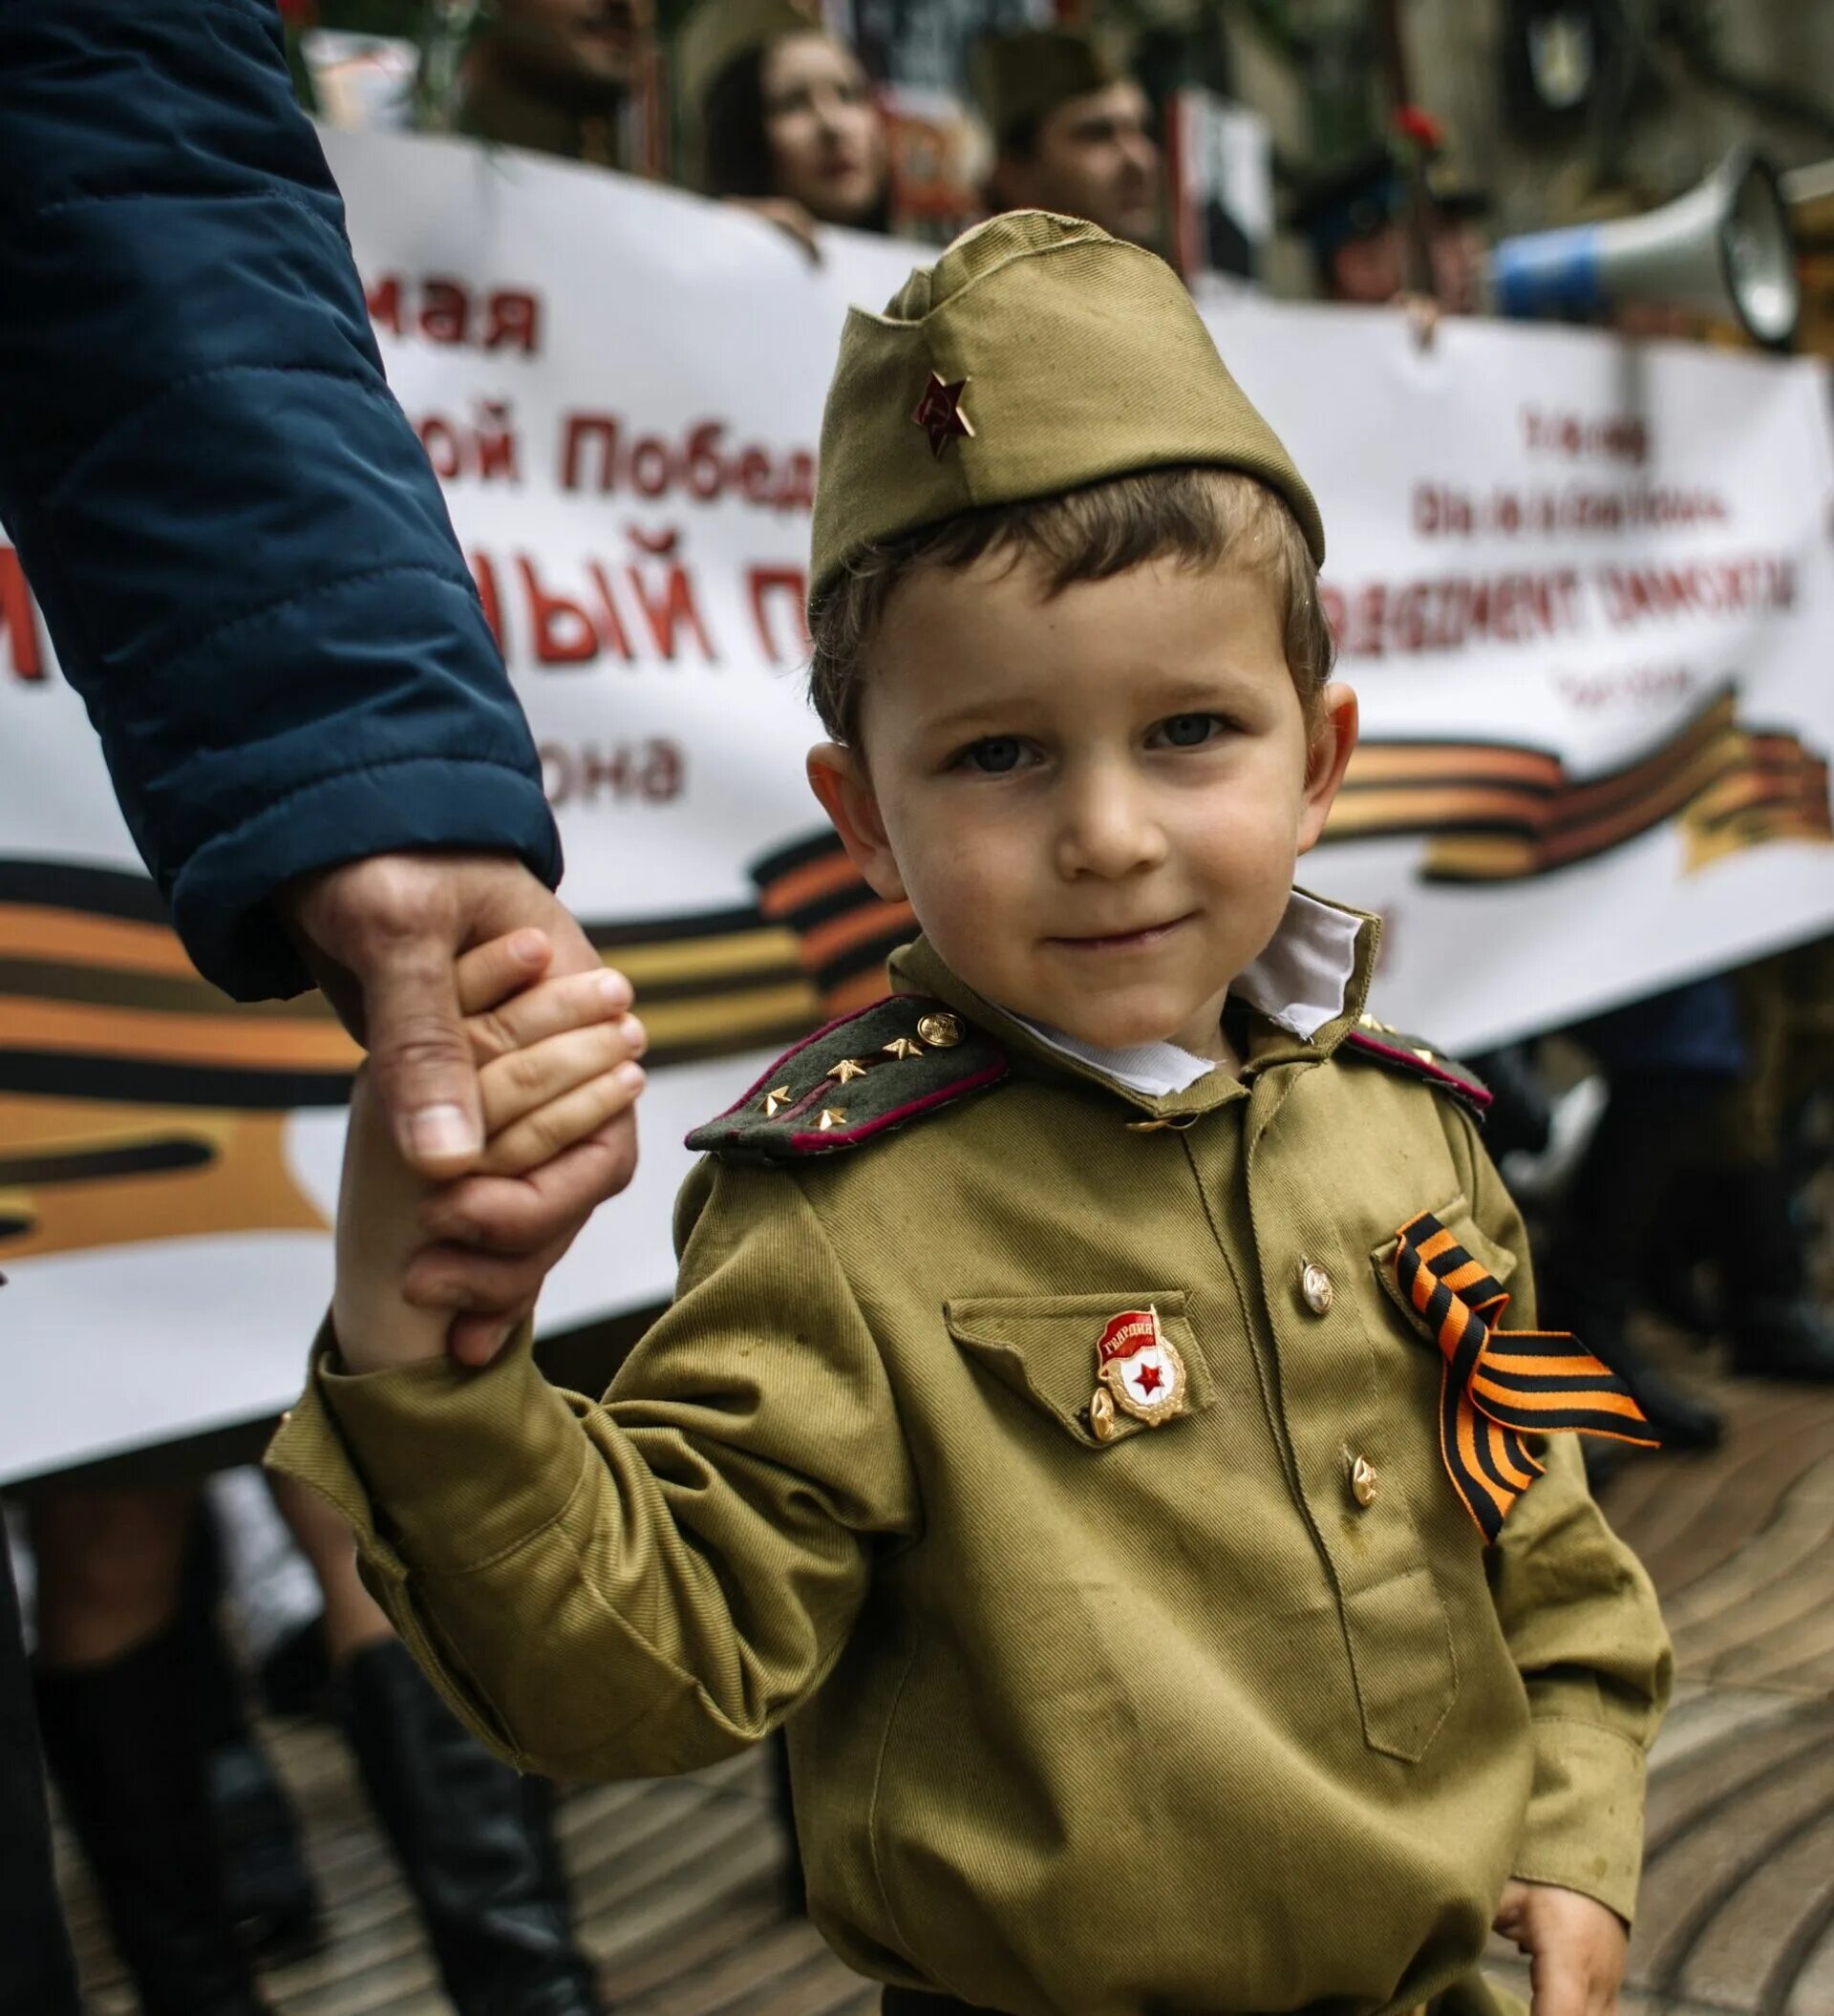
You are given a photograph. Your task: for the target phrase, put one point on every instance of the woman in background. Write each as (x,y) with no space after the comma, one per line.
(786,116)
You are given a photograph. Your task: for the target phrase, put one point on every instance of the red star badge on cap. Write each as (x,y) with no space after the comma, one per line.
(939,412)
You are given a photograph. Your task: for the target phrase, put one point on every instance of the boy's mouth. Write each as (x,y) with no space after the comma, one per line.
(1147,935)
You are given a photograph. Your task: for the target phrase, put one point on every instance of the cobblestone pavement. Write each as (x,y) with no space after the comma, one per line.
(679,1881)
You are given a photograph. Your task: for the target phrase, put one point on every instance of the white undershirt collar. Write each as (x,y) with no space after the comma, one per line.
(1298,982)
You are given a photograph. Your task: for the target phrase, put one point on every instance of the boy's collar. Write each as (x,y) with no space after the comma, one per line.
(1310,983)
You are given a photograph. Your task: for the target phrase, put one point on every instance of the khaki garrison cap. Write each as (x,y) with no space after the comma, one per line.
(1020,77)
(1037,355)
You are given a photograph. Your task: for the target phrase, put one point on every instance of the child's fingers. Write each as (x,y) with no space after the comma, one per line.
(505,966)
(572,1001)
(530,1078)
(502,1214)
(538,1136)
(457,1279)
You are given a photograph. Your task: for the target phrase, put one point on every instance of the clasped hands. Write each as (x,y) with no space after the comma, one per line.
(556,1064)
(394,940)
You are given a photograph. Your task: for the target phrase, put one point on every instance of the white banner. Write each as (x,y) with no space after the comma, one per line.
(1586,592)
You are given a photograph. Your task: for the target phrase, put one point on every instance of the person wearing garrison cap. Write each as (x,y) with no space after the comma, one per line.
(1072,131)
(1102,1413)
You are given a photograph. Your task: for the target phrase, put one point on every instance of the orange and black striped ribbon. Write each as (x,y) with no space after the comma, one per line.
(1499,1386)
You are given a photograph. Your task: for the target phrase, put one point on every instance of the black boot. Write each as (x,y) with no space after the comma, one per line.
(475,1842)
(266,1884)
(37,1977)
(126,1750)
(1777,1329)
(1589,1284)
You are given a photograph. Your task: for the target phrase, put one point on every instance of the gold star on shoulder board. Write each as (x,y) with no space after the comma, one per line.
(774,1101)
(847,1069)
(901,1047)
(832,1116)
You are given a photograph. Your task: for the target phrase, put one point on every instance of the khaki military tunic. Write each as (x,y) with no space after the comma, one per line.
(1182,1720)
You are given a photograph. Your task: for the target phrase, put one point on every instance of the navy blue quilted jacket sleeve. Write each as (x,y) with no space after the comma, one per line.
(241,554)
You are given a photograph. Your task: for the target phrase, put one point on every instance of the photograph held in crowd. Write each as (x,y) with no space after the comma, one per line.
(784,117)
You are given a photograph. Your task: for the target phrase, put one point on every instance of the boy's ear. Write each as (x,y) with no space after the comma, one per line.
(838,778)
(1328,753)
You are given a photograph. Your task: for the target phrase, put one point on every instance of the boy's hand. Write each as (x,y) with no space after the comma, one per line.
(557,1062)
(1575,1944)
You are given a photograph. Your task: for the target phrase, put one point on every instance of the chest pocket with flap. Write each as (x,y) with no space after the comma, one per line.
(1043,1347)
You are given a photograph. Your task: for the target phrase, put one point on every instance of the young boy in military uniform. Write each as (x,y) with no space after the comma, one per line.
(1099,1409)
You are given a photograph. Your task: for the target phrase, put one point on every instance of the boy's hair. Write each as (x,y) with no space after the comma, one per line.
(1195,517)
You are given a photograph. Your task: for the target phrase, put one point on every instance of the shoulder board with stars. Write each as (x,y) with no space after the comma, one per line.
(1382,1042)
(902,1058)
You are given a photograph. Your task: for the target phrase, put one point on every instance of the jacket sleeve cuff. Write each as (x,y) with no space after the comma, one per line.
(440,1467)
(1584,1830)
(222,900)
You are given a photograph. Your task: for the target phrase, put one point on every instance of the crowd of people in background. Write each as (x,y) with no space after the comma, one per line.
(1691,1203)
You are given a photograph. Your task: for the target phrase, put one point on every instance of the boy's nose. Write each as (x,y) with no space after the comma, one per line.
(1109,829)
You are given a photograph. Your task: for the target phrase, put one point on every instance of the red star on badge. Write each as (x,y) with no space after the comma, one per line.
(1147,1378)
(939,412)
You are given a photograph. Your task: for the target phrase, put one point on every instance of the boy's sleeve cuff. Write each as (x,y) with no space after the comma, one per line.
(1584,1830)
(438,1466)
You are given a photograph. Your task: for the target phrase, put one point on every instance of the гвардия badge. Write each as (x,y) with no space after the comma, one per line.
(1138,1371)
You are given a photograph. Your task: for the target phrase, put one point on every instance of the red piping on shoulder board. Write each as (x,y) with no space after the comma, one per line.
(847,1137)
(1472,1093)
(746,1097)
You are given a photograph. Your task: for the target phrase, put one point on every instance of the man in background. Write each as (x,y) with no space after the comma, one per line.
(1072,132)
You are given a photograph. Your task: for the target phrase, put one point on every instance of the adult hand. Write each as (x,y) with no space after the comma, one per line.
(382,937)
(1576,1947)
(788,216)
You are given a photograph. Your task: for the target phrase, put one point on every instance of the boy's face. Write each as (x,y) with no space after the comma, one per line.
(1093,802)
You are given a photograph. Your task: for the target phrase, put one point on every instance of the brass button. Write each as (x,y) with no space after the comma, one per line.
(1363,1480)
(1314,1289)
(940,1030)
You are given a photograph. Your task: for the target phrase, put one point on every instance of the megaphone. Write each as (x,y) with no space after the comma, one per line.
(1725,249)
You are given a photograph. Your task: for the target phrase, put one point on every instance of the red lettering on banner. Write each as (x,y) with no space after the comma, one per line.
(579,428)
(1444,511)
(672,609)
(1448,613)
(1616,438)
(484,446)
(512,320)
(610,623)
(445,311)
(1762,582)
(441,310)
(652,467)
(599,451)
(788,582)
(441,439)
(383,301)
(586,774)
(19,619)
(559,629)
(496,442)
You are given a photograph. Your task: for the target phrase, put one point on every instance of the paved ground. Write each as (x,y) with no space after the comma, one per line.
(679,1886)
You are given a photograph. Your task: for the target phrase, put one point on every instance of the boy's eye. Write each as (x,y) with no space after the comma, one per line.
(1188,731)
(992,754)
